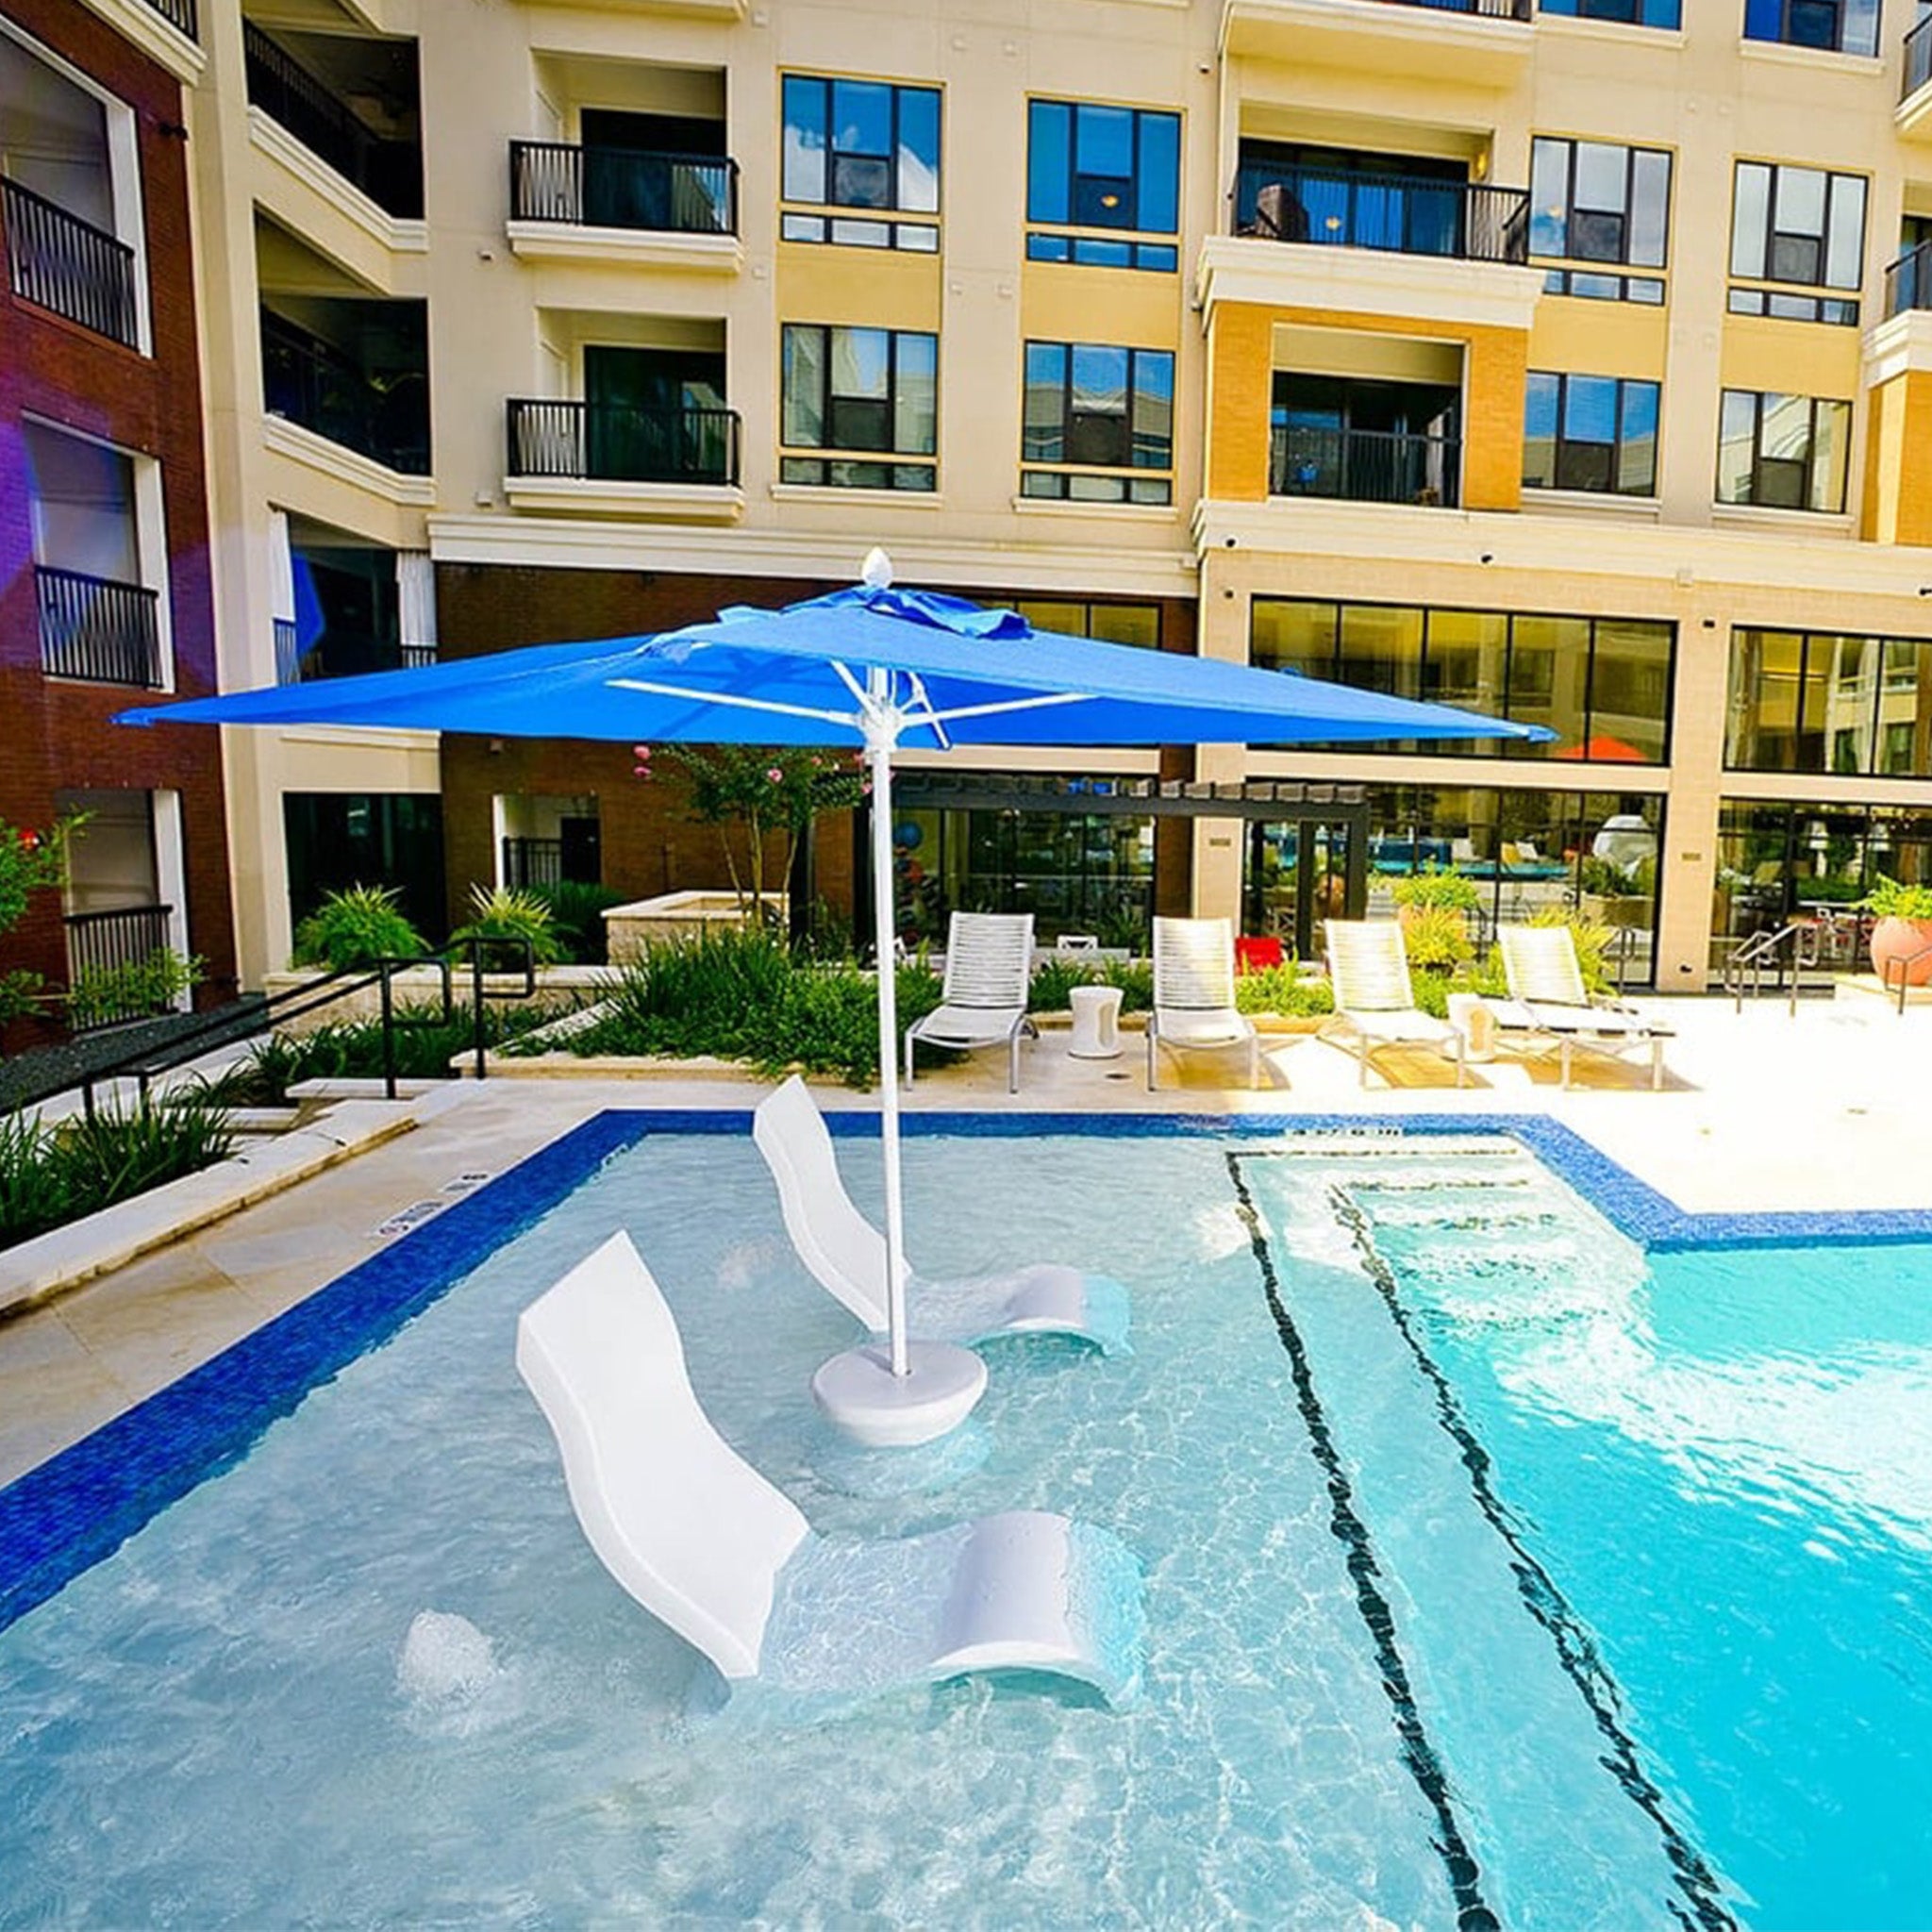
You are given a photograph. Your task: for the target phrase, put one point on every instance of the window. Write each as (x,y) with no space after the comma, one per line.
(861,145)
(1603,684)
(1799,699)
(1798,225)
(1596,202)
(1590,432)
(1090,409)
(871,391)
(1114,623)
(1833,26)
(1628,12)
(1114,171)
(1785,452)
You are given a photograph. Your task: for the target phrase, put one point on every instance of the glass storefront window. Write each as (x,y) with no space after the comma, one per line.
(1821,701)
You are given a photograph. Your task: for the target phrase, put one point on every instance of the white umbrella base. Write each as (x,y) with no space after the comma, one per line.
(858,1392)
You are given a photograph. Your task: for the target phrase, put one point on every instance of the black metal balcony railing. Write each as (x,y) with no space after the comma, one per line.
(178,14)
(614,443)
(58,261)
(98,631)
(528,862)
(622,188)
(105,942)
(1909,280)
(1365,465)
(388,172)
(1404,214)
(1485,9)
(311,382)
(1917,58)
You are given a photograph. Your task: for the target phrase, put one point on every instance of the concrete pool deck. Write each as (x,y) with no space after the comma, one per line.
(1826,1110)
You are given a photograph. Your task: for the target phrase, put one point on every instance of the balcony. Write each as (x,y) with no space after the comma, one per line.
(179,14)
(1364,465)
(1400,214)
(1908,281)
(102,945)
(1913,115)
(380,414)
(342,656)
(621,459)
(385,167)
(97,631)
(69,267)
(554,181)
(1475,43)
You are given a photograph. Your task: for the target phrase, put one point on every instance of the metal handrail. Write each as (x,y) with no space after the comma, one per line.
(622,188)
(96,630)
(1909,280)
(620,442)
(1364,465)
(66,265)
(1917,58)
(1905,967)
(1763,948)
(1400,214)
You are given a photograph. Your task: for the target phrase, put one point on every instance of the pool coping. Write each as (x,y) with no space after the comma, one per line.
(75,1509)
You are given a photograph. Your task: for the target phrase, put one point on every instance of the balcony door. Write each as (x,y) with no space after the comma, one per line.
(654,415)
(1363,440)
(1407,204)
(630,178)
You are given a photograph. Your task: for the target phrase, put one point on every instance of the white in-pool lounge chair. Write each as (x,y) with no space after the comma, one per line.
(705,1543)
(1375,1007)
(983,998)
(1193,993)
(846,1253)
(1549,1001)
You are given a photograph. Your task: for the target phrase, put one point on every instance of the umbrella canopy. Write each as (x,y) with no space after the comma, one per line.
(1602,751)
(874,667)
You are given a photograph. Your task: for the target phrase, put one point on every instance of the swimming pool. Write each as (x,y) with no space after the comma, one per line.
(1490,1575)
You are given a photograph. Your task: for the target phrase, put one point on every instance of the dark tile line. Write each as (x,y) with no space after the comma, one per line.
(1418,1755)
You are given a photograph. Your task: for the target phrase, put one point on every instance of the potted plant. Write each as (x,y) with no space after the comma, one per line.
(1902,937)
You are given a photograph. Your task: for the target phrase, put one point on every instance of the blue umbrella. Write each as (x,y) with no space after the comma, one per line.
(875,668)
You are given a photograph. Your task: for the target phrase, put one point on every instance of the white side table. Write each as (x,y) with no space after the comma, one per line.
(1096,1023)
(1476,1020)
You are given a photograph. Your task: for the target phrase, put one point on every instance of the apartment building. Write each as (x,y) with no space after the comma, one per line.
(1563,361)
(104,567)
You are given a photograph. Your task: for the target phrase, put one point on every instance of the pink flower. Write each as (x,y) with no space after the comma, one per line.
(775,774)
(642,753)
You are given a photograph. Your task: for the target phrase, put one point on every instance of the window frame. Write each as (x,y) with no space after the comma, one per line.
(1066,237)
(1842,10)
(1812,703)
(1627,213)
(1067,470)
(1839,307)
(1760,399)
(1619,445)
(857,223)
(829,455)
(1582,9)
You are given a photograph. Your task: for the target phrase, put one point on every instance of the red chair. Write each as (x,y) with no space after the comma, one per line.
(1256,955)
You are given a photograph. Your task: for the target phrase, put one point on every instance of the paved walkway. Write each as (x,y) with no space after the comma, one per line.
(1826,1110)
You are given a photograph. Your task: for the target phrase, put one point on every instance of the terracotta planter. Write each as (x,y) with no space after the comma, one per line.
(1900,939)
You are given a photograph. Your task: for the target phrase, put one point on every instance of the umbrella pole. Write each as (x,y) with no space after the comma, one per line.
(878,753)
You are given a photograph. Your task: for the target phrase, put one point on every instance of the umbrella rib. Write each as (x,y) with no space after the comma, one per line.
(719,697)
(1005,704)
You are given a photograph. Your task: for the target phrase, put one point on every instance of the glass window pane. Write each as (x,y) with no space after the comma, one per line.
(1650,209)
(1294,634)
(1549,675)
(1751,219)
(919,149)
(1153,409)
(1467,652)
(1102,166)
(915,414)
(1381,649)
(1737,445)
(1159,187)
(860,364)
(1637,439)
(1859,32)
(1765,672)
(805,140)
(803,387)
(1785,428)
(1630,685)
(1590,408)
(1127,624)
(862,118)
(1043,433)
(1600,176)
(1549,198)
(1539,431)
(1844,264)
(1798,206)
(1829,449)
(1848,672)
(1049,137)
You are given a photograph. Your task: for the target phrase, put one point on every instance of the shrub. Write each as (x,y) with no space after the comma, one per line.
(577,917)
(1050,989)
(102,994)
(51,1174)
(500,913)
(1896,899)
(1436,937)
(1282,990)
(1447,889)
(356,926)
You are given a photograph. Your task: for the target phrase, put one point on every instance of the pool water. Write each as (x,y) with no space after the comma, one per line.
(1491,1577)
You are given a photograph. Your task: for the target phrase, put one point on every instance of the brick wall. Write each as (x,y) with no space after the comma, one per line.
(57,736)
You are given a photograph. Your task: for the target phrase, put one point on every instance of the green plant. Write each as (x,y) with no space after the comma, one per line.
(501,913)
(20,993)
(1282,990)
(1434,889)
(1896,899)
(356,926)
(55,1173)
(1436,937)
(1050,989)
(1135,978)
(102,994)
(577,917)
(762,791)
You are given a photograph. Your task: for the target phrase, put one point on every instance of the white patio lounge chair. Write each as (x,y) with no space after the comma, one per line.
(1193,993)
(706,1544)
(846,1253)
(1374,1005)
(983,999)
(1548,1000)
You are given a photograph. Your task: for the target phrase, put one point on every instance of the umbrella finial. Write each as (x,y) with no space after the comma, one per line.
(876,573)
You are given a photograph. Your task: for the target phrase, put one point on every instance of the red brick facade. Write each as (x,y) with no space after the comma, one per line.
(57,735)
(649,844)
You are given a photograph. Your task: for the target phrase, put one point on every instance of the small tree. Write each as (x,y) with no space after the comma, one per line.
(30,862)
(759,792)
